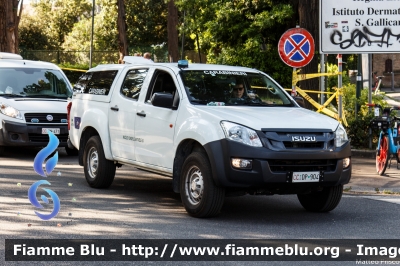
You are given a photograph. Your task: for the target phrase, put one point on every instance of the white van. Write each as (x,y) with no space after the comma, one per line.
(33,99)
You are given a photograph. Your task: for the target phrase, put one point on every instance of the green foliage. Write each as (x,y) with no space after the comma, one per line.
(58,17)
(240,32)
(358,127)
(333,80)
(146,22)
(250,56)
(31,35)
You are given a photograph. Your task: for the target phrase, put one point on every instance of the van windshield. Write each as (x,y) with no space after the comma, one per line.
(33,82)
(230,88)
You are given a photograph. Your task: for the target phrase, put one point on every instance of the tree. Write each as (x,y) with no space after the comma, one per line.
(10,16)
(241,32)
(308,16)
(58,18)
(146,20)
(123,43)
(172,32)
(31,34)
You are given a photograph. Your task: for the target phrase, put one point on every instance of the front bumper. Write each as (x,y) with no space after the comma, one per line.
(21,134)
(273,169)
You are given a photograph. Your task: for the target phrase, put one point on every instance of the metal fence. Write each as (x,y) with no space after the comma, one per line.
(159,54)
(83,57)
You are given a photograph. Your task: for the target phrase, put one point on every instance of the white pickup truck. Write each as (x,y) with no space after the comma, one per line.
(216,130)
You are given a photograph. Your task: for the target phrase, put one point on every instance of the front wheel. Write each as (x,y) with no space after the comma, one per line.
(200,196)
(322,201)
(99,171)
(382,156)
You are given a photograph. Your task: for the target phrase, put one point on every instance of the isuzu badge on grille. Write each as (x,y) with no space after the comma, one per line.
(303,138)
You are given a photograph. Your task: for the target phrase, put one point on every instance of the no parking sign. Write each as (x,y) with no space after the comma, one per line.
(296,47)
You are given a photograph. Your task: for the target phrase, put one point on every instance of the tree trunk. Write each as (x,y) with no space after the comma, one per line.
(308,17)
(172,25)
(9,21)
(123,42)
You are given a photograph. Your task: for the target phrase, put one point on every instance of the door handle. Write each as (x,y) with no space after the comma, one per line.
(142,113)
(114,108)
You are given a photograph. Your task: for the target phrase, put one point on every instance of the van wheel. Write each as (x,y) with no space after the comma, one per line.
(99,171)
(200,196)
(71,152)
(322,201)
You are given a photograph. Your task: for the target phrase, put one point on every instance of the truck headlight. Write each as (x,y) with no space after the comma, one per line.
(340,136)
(10,111)
(241,134)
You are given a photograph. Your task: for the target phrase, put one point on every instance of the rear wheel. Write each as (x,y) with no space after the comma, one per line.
(321,201)
(382,156)
(200,196)
(99,171)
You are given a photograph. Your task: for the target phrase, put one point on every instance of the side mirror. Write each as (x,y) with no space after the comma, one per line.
(162,99)
(299,101)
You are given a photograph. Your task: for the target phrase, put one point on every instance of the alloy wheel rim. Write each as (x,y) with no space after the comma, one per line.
(194,185)
(93,162)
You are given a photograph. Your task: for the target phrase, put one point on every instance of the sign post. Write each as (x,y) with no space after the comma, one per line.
(340,104)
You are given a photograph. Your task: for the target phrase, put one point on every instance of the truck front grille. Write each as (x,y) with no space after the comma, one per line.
(38,118)
(296,139)
(45,138)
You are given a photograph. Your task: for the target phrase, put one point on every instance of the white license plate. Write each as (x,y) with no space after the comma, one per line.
(299,177)
(54,130)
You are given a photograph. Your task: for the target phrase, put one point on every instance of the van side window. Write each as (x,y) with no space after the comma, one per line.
(98,83)
(133,83)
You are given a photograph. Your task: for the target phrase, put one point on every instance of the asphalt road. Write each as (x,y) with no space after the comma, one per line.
(141,205)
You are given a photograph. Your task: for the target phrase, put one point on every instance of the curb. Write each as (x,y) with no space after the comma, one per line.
(371,154)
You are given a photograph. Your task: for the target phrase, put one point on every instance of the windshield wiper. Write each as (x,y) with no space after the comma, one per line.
(199,101)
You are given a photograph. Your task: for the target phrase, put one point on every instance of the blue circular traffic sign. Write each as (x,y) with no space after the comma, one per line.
(296,47)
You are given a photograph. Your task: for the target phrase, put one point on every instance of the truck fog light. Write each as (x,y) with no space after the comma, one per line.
(346,162)
(14,136)
(242,163)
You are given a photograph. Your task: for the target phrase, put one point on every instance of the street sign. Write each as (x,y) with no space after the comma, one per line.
(359,27)
(296,47)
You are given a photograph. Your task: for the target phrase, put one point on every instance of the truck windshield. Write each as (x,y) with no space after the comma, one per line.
(33,82)
(229,88)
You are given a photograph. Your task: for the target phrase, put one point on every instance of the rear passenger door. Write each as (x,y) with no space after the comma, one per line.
(155,126)
(122,113)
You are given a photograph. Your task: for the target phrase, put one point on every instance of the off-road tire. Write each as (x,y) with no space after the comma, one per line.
(99,171)
(200,196)
(322,201)
(382,156)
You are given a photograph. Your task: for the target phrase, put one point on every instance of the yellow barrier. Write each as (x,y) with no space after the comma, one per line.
(72,69)
(320,108)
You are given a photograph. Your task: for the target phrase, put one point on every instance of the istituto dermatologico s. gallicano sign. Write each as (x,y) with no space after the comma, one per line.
(359,26)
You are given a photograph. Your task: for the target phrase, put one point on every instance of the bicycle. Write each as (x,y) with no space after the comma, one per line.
(388,143)
(377,84)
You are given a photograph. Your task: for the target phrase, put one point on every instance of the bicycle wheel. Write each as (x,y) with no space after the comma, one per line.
(382,156)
